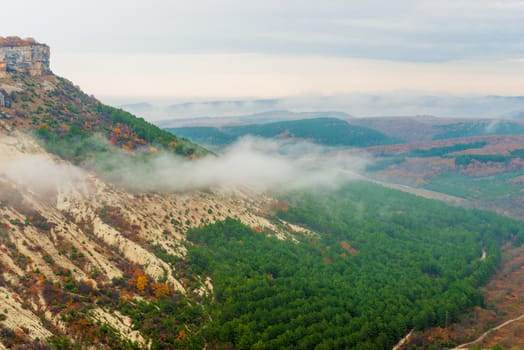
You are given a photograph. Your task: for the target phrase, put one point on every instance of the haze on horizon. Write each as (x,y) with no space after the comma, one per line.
(132,50)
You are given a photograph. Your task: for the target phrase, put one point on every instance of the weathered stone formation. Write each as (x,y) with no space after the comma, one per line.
(23,56)
(5,99)
(3,66)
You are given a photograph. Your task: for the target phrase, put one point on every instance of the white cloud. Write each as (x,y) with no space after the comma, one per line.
(253,163)
(272,26)
(41,174)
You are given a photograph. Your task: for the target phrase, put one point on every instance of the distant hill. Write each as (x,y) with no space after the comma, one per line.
(518,114)
(257,118)
(170,110)
(428,128)
(356,104)
(223,106)
(324,131)
(479,128)
(408,128)
(138,108)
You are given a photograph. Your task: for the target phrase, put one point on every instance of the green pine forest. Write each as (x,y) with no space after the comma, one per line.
(323,131)
(381,263)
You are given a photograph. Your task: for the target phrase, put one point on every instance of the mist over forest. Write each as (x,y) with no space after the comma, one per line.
(356,105)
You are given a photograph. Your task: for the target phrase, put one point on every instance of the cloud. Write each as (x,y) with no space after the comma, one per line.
(401,103)
(404,30)
(41,174)
(252,163)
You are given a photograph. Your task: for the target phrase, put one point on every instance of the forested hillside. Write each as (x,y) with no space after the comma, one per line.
(479,128)
(324,131)
(382,262)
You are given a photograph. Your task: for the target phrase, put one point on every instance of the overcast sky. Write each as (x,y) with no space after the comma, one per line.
(251,48)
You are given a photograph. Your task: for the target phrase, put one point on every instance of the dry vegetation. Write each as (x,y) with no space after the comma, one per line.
(71,255)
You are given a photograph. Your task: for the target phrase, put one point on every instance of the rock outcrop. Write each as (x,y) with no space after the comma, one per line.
(5,99)
(24,56)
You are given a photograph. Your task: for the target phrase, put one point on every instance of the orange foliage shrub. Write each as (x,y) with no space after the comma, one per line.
(281,205)
(181,336)
(139,279)
(117,131)
(19,334)
(160,289)
(141,282)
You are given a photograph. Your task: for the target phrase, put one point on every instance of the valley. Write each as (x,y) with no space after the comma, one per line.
(477,164)
(477,161)
(116,234)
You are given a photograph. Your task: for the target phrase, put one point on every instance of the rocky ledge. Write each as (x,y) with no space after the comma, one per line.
(24,56)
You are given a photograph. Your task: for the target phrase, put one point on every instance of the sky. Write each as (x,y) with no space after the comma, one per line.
(200,49)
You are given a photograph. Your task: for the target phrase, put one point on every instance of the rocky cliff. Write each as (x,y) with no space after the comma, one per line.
(24,56)
(92,233)
(64,247)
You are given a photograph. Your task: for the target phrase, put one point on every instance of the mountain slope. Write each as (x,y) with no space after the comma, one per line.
(75,249)
(74,124)
(86,264)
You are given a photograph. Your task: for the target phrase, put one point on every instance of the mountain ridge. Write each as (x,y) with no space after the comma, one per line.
(23,56)
(321,130)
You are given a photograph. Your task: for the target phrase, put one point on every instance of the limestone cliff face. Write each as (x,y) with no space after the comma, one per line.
(3,66)
(24,56)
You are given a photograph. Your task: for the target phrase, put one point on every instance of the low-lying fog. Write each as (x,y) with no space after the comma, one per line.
(253,163)
(357,105)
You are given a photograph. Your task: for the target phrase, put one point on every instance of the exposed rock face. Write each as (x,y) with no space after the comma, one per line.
(24,56)
(5,99)
(3,66)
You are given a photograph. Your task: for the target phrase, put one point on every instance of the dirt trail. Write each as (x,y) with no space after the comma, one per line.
(466,346)
(404,340)
(423,192)
(413,190)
